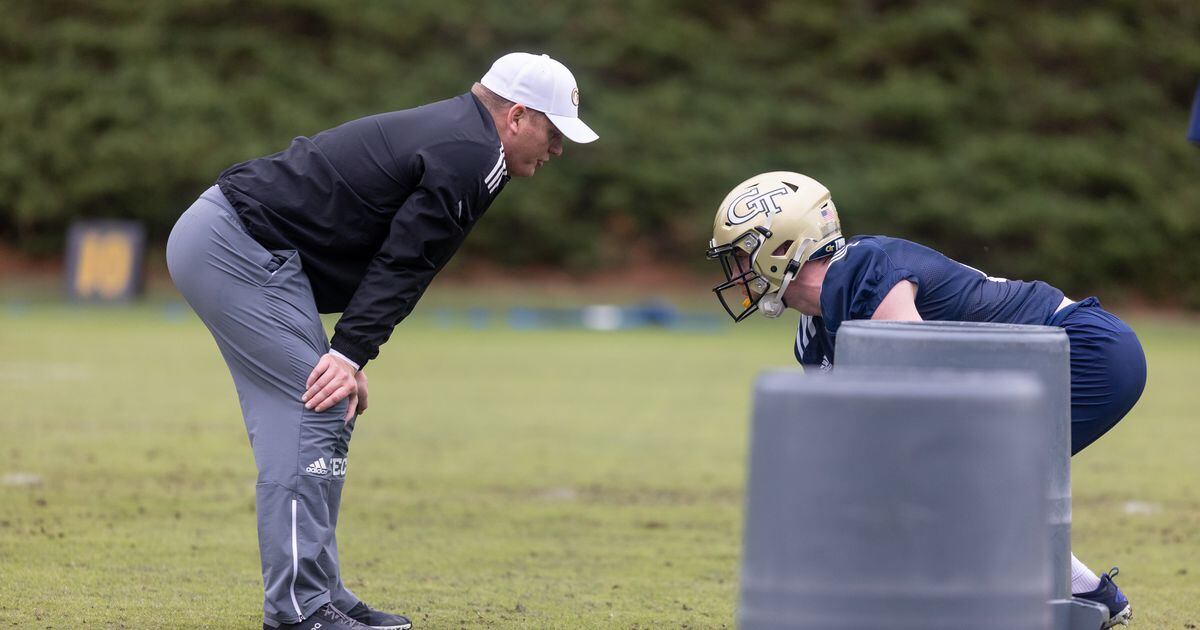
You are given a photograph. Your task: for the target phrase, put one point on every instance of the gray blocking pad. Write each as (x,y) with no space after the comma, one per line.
(1078,614)
(1042,350)
(890,500)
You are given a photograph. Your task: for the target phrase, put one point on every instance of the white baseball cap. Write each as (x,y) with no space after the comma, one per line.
(541,83)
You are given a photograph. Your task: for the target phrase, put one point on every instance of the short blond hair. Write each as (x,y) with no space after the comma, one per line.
(493,102)
(499,106)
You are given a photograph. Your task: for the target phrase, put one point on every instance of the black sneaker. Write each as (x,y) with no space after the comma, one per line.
(378,620)
(326,618)
(1119,610)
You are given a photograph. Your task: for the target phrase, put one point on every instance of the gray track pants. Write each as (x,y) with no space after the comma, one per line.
(259,307)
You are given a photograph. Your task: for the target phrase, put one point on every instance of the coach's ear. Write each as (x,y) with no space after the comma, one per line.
(517,116)
(900,304)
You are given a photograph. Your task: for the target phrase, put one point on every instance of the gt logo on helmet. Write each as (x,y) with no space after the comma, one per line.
(755,203)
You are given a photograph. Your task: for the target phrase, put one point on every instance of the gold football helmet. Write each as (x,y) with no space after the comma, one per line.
(766,228)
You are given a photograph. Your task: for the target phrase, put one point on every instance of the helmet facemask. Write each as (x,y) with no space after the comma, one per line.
(743,287)
(745,290)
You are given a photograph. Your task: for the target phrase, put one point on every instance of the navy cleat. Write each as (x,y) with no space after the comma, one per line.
(378,620)
(1107,593)
(326,618)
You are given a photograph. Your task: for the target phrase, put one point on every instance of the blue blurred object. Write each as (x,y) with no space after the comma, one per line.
(698,322)
(521,318)
(479,317)
(657,313)
(654,313)
(1194,127)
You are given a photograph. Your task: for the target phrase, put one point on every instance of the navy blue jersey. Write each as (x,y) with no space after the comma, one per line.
(862,274)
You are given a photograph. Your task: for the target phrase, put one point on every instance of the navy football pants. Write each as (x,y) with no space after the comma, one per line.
(1108,369)
(258,304)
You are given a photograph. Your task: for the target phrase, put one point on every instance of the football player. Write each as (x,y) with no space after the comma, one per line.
(780,244)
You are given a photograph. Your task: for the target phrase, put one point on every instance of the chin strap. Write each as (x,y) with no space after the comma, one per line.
(771,304)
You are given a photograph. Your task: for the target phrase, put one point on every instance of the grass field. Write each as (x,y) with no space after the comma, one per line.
(501,479)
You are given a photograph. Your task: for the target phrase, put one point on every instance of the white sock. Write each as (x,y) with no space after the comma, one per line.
(1083,580)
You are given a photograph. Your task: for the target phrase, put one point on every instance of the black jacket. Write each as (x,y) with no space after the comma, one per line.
(374,208)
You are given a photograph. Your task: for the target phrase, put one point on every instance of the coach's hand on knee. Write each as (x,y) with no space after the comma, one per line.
(332,380)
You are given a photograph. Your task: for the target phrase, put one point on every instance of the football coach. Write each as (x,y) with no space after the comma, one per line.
(358,220)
